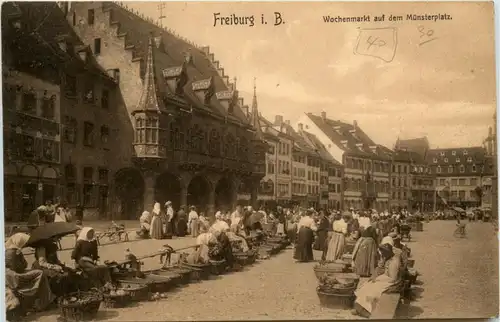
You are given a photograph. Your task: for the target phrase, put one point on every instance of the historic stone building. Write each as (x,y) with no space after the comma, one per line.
(366,164)
(182,131)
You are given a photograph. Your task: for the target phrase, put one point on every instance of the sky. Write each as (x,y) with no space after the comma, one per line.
(391,81)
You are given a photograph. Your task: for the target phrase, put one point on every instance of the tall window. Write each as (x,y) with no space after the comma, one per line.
(48,107)
(88,92)
(214,142)
(70,129)
(29,102)
(97,46)
(70,86)
(104,134)
(91,16)
(88,134)
(88,186)
(105,99)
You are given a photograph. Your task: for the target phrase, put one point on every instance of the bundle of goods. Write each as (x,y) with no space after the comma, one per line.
(80,306)
(120,271)
(328,268)
(336,292)
(116,298)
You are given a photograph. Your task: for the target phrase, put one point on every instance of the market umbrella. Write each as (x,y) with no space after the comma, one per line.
(50,230)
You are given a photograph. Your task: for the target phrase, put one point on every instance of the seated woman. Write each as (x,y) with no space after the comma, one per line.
(85,255)
(220,248)
(62,280)
(145,225)
(236,233)
(370,292)
(31,286)
(200,255)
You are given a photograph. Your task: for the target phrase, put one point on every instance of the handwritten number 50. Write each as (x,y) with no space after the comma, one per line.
(429,33)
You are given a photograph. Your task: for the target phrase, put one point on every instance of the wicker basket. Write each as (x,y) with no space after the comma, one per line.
(116,300)
(162,283)
(338,301)
(328,269)
(202,270)
(138,292)
(218,267)
(80,310)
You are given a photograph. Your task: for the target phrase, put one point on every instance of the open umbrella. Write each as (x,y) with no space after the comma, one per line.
(50,230)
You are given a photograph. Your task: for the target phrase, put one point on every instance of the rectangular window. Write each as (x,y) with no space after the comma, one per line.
(88,134)
(88,93)
(454,182)
(70,129)
(105,99)
(104,134)
(87,195)
(29,102)
(48,107)
(97,46)
(88,174)
(91,16)
(473,181)
(461,182)
(103,176)
(70,86)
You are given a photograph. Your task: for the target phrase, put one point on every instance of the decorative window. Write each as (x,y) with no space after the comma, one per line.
(457,160)
(88,93)
(462,168)
(435,160)
(465,152)
(9,97)
(29,102)
(446,160)
(474,169)
(88,134)
(70,86)
(48,107)
(28,147)
(442,153)
(469,159)
(104,134)
(105,99)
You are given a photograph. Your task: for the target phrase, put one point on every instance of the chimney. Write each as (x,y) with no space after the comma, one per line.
(301,127)
(323,115)
(278,120)
(287,122)
(355,124)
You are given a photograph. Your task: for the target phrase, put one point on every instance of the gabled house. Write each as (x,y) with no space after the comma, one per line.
(366,164)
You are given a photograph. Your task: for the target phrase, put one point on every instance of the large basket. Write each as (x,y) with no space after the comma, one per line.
(218,267)
(337,301)
(84,308)
(176,276)
(202,270)
(116,300)
(138,292)
(328,269)
(162,283)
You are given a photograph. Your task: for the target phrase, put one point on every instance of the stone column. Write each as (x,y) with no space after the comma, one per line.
(149,189)
(211,202)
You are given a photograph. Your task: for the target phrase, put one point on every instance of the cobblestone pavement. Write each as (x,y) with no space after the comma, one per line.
(459,275)
(459,280)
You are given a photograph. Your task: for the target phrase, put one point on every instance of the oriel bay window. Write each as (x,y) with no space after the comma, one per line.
(147,130)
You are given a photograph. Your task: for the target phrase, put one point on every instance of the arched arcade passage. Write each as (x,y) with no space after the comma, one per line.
(198,193)
(167,188)
(224,195)
(129,186)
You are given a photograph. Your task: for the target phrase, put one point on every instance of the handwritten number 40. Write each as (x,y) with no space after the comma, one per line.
(374,42)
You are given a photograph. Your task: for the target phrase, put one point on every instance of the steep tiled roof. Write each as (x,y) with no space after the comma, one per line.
(320,148)
(419,145)
(470,159)
(408,156)
(348,137)
(137,31)
(299,143)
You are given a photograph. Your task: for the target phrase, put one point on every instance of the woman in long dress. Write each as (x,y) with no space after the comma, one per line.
(389,281)
(32,285)
(364,255)
(181,225)
(322,233)
(193,222)
(337,241)
(156,231)
(86,254)
(169,220)
(306,228)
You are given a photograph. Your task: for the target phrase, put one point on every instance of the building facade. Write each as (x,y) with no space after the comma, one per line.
(366,164)
(459,175)
(183,132)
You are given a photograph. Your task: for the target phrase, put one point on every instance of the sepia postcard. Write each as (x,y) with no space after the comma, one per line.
(179,161)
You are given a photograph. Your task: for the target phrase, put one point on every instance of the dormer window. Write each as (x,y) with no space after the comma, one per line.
(453,153)
(435,160)
(465,152)
(442,153)
(421,169)
(438,169)
(462,168)
(445,160)
(457,160)
(469,159)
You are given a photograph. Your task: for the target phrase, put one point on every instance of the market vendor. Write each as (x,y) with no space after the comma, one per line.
(61,279)
(32,286)
(85,254)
